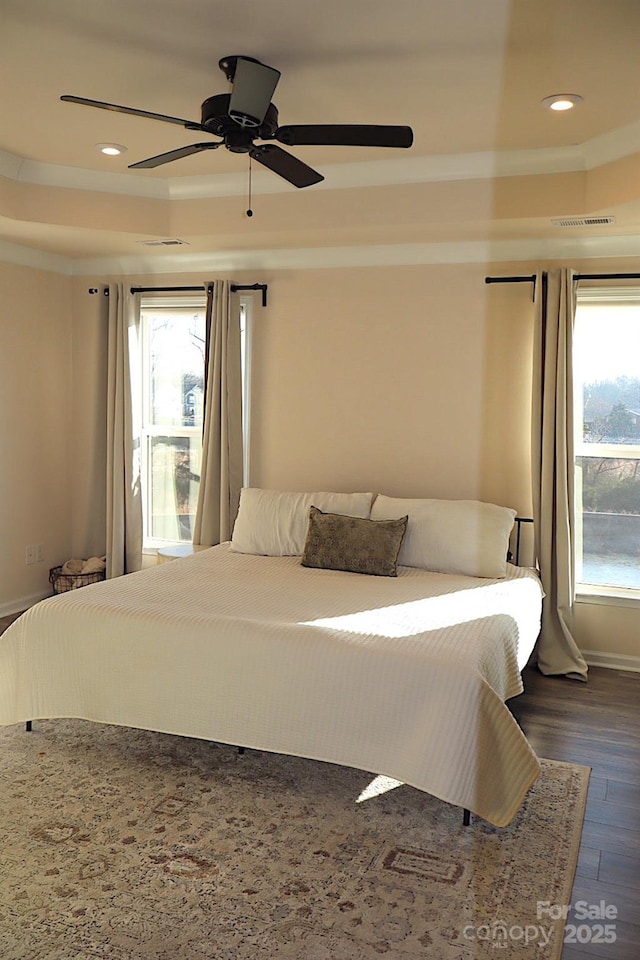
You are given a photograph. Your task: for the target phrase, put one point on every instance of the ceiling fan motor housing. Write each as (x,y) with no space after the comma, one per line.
(215,119)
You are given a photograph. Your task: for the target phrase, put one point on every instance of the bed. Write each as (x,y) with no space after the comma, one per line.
(406,676)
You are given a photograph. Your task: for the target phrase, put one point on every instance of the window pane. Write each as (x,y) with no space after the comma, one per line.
(607,370)
(176,354)
(172,405)
(607,402)
(610,521)
(175,474)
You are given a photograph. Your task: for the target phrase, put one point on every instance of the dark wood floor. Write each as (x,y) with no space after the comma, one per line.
(596,724)
(5,621)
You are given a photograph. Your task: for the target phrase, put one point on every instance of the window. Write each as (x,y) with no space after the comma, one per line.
(173,346)
(607,440)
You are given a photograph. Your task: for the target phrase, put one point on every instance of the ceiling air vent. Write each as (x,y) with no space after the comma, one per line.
(174,242)
(583,221)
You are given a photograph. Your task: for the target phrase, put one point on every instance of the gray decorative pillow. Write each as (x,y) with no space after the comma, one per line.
(336,542)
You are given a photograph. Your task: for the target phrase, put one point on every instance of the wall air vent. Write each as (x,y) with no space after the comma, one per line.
(173,242)
(582,221)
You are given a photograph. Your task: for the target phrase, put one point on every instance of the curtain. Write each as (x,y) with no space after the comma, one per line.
(553,471)
(124,495)
(222,443)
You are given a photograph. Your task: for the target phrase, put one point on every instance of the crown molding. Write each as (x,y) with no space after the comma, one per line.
(79,178)
(381,255)
(480,165)
(376,255)
(391,172)
(10,165)
(612,145)
(37,259)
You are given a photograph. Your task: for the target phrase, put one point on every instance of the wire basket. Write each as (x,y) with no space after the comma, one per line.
(63,582)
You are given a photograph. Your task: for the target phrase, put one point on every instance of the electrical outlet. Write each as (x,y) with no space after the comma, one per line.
(34,553)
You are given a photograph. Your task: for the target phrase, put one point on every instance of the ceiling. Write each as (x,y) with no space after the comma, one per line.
(489,170)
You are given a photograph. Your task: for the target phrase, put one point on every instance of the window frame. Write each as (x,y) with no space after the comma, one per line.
(591,592)
(188,305)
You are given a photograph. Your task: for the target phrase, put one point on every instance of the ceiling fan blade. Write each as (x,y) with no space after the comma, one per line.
(253,86)
(345,135)
(173,155)
(189,124)
(285,165)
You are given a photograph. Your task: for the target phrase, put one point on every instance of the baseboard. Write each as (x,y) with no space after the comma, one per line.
(612,661)
(22,603)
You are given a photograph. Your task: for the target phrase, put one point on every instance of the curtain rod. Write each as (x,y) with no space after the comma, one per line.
(234,288)
(578,276)
(528,279)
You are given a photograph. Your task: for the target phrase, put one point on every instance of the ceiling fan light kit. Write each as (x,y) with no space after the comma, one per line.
(247,114)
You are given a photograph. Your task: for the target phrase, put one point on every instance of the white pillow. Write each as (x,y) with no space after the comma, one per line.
(273,523)
(451,536)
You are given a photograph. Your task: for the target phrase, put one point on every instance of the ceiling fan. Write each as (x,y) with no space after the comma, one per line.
(247,114)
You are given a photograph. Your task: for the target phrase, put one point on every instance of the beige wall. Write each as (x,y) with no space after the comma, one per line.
(410,381)
(35,404)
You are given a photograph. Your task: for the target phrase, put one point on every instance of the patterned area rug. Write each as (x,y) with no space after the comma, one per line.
(129,845)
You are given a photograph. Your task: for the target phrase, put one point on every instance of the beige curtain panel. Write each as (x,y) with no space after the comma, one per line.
(124,494)
(553,471)
(222,446)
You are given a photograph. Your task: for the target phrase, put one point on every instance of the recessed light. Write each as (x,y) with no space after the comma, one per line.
(111,149)
(562,101)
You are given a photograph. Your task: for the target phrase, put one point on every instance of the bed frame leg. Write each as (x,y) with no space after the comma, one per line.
(466,817)
(27,726)
(240,751)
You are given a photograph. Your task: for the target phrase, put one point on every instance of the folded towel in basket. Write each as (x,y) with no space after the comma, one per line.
(94,565)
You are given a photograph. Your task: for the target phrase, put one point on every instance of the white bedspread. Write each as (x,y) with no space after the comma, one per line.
(405,677)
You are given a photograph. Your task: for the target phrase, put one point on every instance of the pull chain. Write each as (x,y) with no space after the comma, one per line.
(249,210)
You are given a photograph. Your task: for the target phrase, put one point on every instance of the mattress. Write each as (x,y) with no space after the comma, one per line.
(405,677)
